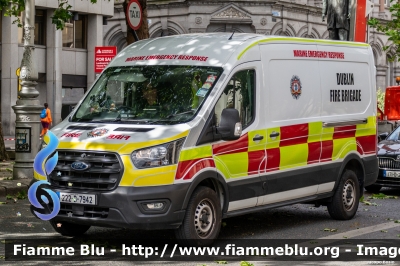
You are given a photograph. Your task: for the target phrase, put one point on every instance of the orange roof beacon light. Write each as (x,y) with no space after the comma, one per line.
(398,80)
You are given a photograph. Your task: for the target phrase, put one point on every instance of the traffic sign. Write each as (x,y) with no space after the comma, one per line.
(134,14)
(102,56)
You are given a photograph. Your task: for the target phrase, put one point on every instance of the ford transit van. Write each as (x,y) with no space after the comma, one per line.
(181,132)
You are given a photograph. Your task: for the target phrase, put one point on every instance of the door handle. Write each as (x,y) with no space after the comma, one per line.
(258,138)
(274,134)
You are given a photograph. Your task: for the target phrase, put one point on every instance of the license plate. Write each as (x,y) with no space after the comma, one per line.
(392,174)
(88,199)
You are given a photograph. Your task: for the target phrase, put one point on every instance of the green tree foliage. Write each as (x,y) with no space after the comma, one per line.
(390,28)
(381,99)
(61,14)
(13,8)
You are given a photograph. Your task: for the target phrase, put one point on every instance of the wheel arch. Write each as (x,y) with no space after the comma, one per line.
(214,181)
(353,162)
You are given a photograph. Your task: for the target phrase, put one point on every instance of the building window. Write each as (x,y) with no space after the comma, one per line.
(75,33)
(40,27)
(390,78)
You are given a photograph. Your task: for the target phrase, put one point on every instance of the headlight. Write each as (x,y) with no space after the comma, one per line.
(161,155)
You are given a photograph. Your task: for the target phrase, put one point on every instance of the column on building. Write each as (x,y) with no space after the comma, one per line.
(381,77)
(53,69)
(9,80)
(95,38)
(396,72)
(381,5)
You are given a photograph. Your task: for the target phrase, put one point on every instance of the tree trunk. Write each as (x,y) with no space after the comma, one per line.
(143,31)
(3,153)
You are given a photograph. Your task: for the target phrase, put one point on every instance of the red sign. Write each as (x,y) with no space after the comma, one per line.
(134,14)
(102,56)
(360,21)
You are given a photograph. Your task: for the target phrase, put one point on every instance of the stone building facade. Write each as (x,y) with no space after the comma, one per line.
(65,59)
(298,18)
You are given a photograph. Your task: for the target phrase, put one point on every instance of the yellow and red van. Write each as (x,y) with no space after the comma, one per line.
(183,131)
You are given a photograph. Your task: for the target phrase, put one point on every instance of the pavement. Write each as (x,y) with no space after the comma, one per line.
(11,188)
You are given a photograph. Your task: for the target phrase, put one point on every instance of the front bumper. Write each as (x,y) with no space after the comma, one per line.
(387,181)
(120,208)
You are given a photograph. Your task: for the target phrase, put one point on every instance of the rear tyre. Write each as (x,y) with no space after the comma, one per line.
(373,188)
(346,198)
(69,229)
(202,221)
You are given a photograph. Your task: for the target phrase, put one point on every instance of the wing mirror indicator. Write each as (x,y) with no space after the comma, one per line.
(238,129)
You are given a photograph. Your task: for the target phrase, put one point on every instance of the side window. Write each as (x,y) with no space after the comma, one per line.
(239,94)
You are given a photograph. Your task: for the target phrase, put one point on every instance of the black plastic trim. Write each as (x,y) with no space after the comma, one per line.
(89,170)
(78,158)
(371,164)
(282,181)
(144,209)
(278,204)
(84,180)
(203,176)
(371,170)
(207,133)
(90,190)
(330,172)
(245,188)
(344,165)
(124,209)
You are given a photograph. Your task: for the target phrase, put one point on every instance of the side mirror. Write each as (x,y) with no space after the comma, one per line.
(230,127)
(383,136)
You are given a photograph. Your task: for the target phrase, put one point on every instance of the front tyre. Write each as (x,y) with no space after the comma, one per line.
(345,201)
(202,221)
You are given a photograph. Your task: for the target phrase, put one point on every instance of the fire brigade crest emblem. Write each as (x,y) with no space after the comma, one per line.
(98,132)
(295,87)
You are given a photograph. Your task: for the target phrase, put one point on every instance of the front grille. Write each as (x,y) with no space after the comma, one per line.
(389,163)
(388,181)
(70,210)
(104,172)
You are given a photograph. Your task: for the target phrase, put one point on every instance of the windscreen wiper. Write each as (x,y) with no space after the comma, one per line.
(118,119)
(138,121)
(173,115)
(170,116)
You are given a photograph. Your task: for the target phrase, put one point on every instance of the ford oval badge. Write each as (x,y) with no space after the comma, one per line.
(80,166)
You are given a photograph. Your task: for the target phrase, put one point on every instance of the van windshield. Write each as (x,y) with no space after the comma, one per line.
(148,94)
